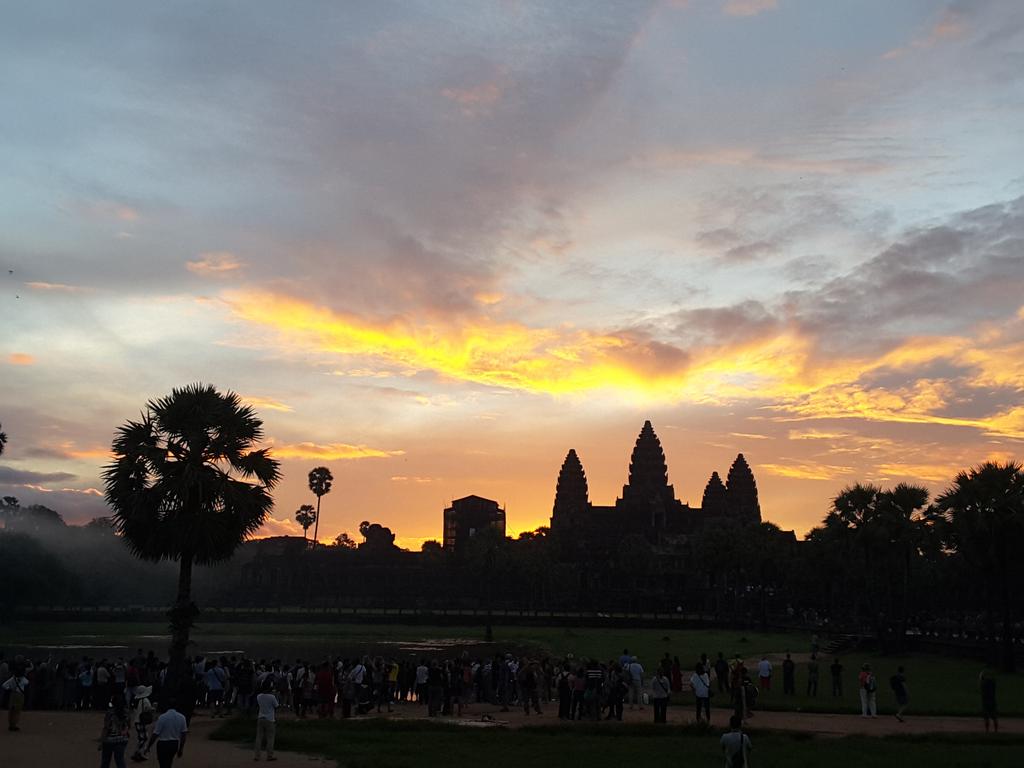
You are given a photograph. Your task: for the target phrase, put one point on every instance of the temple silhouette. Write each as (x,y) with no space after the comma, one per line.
(648,504)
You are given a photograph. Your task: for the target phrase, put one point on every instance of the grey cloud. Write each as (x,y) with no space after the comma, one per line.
(21,476)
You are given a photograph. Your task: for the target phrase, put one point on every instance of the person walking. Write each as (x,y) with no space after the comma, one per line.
(837,678)
(898,683)
(987,686)
(661,687)
(735,744)
(700,682)
(266,721)
(868,687)
(115,731)
(141,718)
(169,735)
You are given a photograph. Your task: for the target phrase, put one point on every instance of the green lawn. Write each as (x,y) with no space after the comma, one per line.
(937,684)
(376,744)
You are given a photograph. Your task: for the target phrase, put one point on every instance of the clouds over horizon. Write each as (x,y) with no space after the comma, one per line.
(501,226)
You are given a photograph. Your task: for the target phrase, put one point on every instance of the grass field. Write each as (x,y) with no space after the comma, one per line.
(937,684)
(376,744)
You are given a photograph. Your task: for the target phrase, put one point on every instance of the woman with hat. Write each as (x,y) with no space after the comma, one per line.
(142,717)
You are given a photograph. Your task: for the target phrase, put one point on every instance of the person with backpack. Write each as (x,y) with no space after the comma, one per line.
(868,688)
(898,683)
(735,744)
(141,718)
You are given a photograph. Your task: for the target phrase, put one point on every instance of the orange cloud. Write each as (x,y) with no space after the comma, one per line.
(949,26)
(214,264)
(805,470)
(267,403)
(478,95)
(20,358)
(405,479)
(329,451)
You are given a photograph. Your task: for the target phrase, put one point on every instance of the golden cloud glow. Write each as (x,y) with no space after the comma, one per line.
(20,358)
(805,470)
(329,451)
(785,371)
(54,287)
(267,403)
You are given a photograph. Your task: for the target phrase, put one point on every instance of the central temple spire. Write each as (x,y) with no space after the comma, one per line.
(648,473)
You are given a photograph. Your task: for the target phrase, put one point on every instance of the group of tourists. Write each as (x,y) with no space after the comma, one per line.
(127,691)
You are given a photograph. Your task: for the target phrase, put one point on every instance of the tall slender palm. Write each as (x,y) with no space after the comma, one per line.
(188,484)
(984,512)
(901,519)
(320,479)
(305,516)
(3,441)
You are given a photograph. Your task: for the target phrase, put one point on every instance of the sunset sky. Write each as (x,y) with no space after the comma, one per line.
(437,244)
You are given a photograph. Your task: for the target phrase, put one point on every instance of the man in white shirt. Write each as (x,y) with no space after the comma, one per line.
(15,687)
(636,683)
(169,735)
(422,672)
(735,744)
(266,722)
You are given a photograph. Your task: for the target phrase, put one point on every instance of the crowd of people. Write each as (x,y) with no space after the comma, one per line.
(129,690)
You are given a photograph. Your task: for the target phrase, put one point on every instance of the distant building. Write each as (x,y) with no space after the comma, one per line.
(468,516)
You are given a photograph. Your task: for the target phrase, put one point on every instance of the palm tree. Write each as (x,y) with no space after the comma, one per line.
(320,479)
(900,517)
(984,514)
(3,440)
(305,516)
(188,484)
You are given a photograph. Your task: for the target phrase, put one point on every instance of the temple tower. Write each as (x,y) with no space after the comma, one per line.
(648,492)
(571,494)
(742,492)
(716,497)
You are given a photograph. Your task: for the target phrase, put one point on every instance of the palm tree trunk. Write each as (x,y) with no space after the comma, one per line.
(181,615)
(316,527)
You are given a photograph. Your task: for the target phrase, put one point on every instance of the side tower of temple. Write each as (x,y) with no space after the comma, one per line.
(716,498)
(572,498)
(742,493)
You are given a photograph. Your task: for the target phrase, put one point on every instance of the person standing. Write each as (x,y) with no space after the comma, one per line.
(868,687)
(764,673)
(661,687)
(636,683)
(837,678)
(812,675)
(14,688)
(115,732)
(722,673)
(169,735)
(325,691)
(700,682)
(266,722)
(788,676)
(987,686)
(898,683)
(735,744)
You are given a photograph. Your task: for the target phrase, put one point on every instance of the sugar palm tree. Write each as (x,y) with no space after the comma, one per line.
(3,441)
(320,479)
(187,484)
(984,514)
(305,516)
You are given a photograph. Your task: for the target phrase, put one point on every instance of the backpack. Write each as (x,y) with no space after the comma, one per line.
(870,684)
(145,712)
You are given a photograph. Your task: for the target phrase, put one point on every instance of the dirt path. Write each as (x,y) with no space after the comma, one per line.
(69,738)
